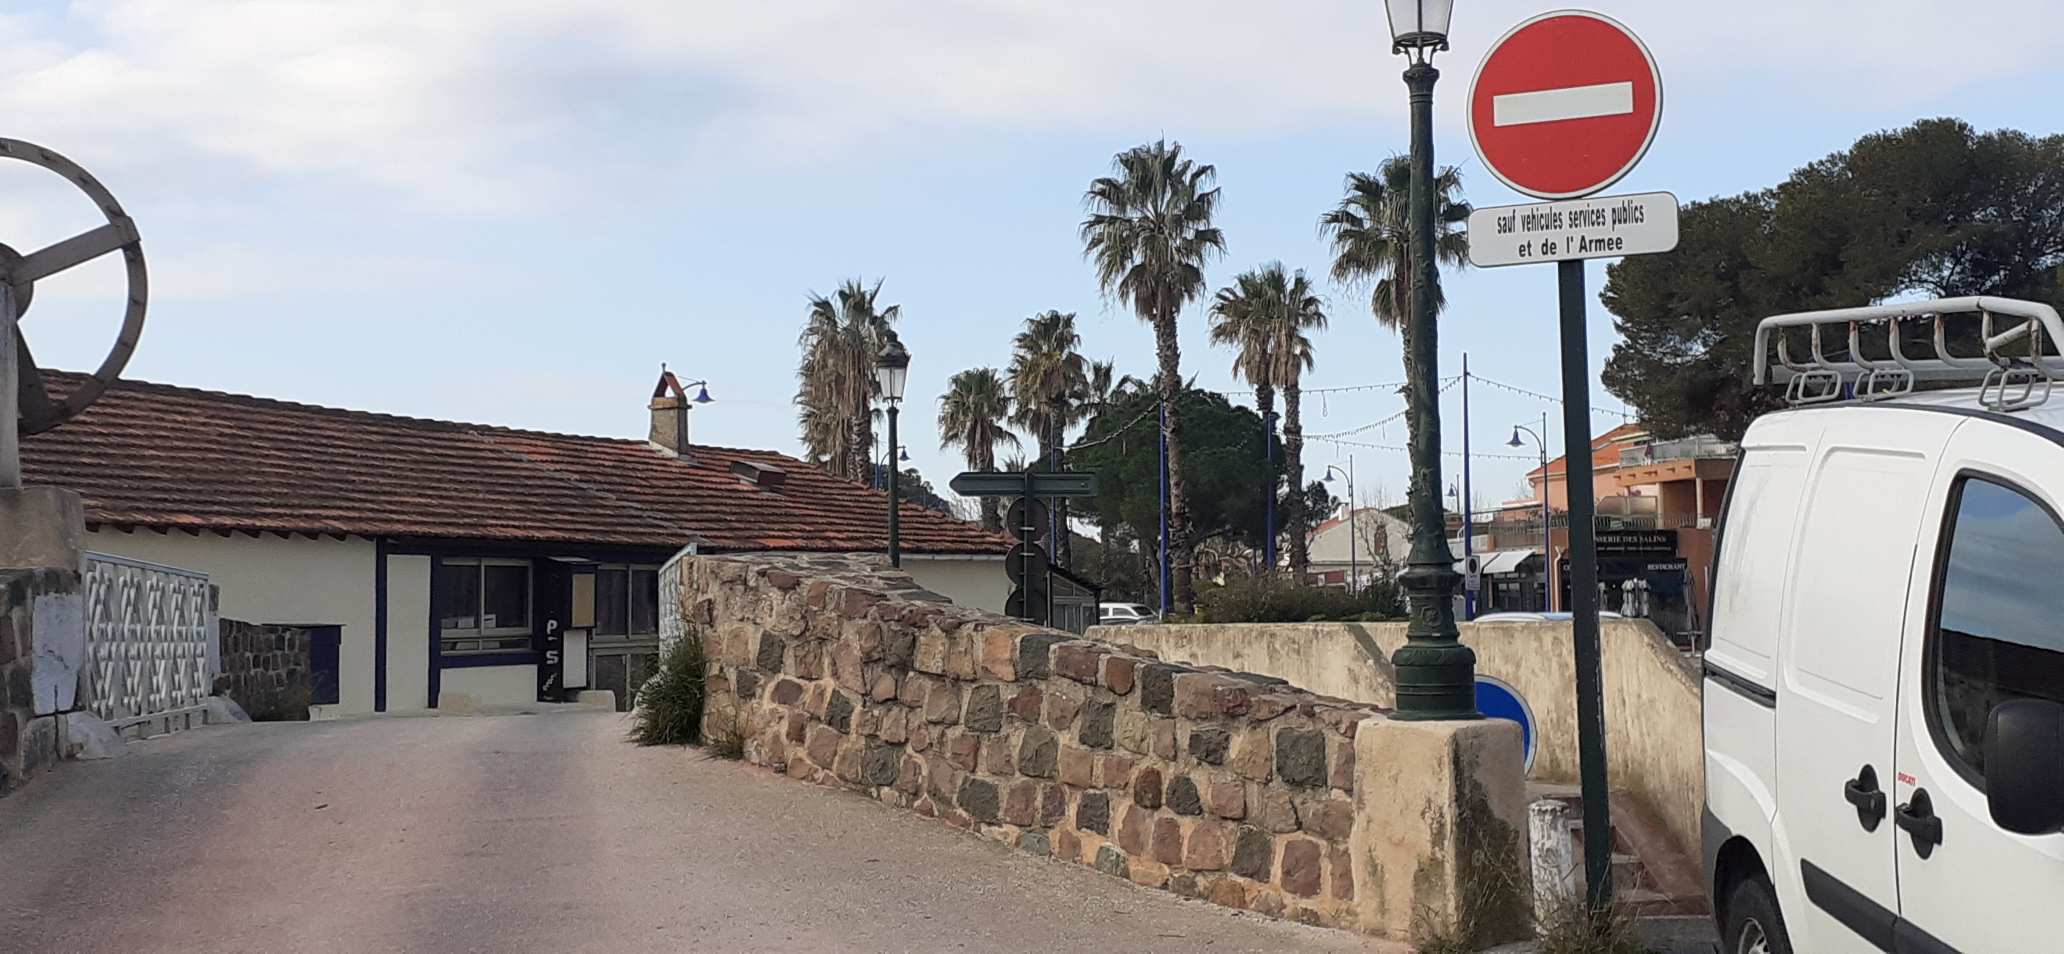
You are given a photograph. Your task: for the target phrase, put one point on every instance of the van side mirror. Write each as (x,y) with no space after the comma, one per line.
(2024,766)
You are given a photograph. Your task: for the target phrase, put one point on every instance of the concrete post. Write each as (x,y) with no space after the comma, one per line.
(1554,857)
(1439,843)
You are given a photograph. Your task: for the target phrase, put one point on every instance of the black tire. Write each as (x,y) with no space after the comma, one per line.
(1752,917)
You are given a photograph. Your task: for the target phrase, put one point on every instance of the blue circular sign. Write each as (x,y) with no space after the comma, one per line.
(1496,699)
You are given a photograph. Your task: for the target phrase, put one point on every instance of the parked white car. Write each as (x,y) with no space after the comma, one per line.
(1884,692)
(1125,614)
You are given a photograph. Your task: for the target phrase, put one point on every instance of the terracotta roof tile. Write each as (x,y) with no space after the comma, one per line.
(162,456)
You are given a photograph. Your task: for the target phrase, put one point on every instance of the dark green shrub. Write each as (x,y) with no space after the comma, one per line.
(670,705)
(1274,599)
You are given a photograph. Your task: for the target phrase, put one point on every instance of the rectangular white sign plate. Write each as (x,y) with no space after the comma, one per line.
(1601,226)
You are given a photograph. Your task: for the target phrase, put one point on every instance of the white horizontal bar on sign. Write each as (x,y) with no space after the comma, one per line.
(1555,105)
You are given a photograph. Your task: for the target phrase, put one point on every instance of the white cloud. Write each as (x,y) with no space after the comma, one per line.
(504,104)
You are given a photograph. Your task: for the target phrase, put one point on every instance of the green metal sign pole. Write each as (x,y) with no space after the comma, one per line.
(1583,583)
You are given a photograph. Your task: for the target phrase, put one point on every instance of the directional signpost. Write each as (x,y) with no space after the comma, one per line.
(1564,105)
(1027,565)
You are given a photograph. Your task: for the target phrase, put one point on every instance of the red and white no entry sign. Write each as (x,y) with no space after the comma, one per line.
(1565,104)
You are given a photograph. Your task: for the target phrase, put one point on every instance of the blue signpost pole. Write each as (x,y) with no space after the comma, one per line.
(1468,513)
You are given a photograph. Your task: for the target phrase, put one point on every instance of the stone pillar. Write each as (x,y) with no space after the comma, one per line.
(42,627)
(1440,833)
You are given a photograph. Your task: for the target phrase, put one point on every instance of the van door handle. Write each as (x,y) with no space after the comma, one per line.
(1917,818)
(1863,792)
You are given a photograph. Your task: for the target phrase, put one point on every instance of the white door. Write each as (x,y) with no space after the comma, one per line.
(1985,625)
(1838,672)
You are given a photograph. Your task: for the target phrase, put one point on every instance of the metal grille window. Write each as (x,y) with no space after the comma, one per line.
(626,601)
(483,605)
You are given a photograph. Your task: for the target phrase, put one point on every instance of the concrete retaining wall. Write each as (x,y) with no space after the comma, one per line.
(1654,742)
(1233,787)
(42,653)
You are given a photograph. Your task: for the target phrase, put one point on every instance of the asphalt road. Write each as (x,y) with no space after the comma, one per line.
(532,833)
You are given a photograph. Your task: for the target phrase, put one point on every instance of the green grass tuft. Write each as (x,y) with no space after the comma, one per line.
(670,706)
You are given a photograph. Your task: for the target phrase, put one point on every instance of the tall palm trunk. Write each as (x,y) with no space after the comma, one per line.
(1265,399)
(992,516)
(1293,455)
(1063,543)
(1168,355)
(860,462)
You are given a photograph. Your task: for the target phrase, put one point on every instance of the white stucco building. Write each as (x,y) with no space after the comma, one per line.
(451,560)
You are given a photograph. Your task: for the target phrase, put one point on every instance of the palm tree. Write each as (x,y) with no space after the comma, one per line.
(1371,232)
(1148,234)
(1048,378)
(1103,383)
(1265,314)
(971,416)
(842,336)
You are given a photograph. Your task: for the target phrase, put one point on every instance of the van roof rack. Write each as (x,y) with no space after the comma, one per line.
(2015,370)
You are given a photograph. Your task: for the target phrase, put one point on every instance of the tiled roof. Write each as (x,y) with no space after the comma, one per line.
(153,455)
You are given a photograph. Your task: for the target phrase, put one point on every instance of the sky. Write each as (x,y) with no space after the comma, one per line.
(511,212)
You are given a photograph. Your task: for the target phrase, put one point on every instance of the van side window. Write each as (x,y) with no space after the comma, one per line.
(1998,631)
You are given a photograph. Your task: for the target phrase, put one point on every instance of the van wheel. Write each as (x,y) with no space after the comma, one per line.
(1753,924)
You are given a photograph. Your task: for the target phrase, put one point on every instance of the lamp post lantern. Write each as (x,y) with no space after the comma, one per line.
(892,371)
(1547,552)
(1354,570)
(1436,674)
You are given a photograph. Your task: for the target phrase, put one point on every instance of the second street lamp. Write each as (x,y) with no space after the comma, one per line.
(1436,674)
(1354,570)
(892,371)
(1547,553)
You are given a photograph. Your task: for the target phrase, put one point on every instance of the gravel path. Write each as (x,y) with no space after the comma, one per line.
(533,833)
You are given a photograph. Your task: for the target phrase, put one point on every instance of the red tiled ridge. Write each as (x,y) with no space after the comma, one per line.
(155,455)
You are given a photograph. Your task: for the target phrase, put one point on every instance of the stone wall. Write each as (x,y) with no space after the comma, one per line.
(265,669)
(1231,787)
(42,647)
(1654,732)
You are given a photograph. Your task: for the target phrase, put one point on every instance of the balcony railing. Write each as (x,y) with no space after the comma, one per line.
(1690,448)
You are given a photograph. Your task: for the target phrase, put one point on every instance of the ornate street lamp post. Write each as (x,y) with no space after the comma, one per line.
(891,371)
(1547,552)
(1354,570)
(1436,674)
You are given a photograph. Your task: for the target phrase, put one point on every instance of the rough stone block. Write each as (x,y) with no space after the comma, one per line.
(838,711)
(942,703)
(999,658)
(848,764)
(1183,797)
(1163,731)
(1229,893)
(1226,797)
(1277,811)
(920,734)
(1253,755)
(823,746)
(1035,843)
(769,657)
(869,719)
(931,653)
(1027,703)
(962,749)
(910,775)
(1206,847)
(1135,829)
(1207,744)
(985,709)
(1301,757)
(798,725)
(1034,661)
(1098,725)
(895,725)
(880,764)
(1037,752)
(786,692)
(1340,865)
(1146,788)
(1330,818)
(998,755)
(899,647)
(1168,840)
(1301,866)
(1340,762)
(1061,708)
(1067,846)
(1119,673)
(1093,812)
(980,799)
(1078,661)
(1021,803)
(1157,687)
(942,780)
(1077,767)
(1111,861)
(1134,730)
(882,688)
(1254,853)
(1053,804)
(1115,771)
(912,691)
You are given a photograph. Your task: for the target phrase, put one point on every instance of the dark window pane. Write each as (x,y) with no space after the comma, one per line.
(507,603)
(1999,635)
(458,596)
(612,586)
(644,602)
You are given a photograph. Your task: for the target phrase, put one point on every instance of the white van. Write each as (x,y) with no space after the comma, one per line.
(1884,692)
